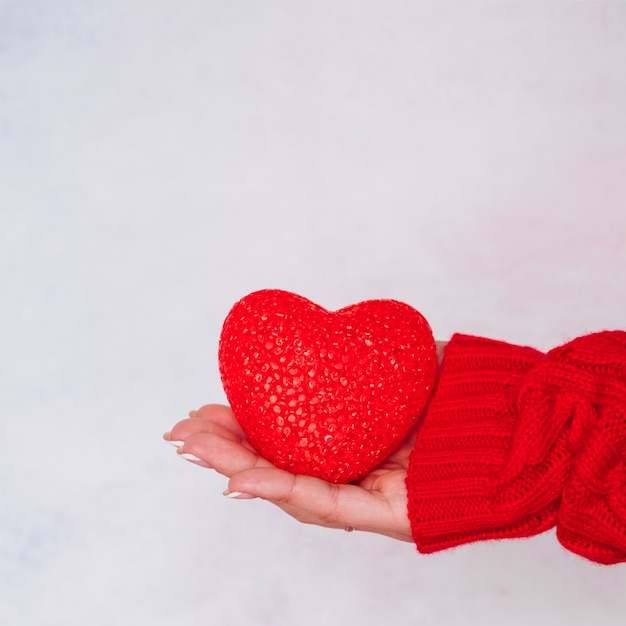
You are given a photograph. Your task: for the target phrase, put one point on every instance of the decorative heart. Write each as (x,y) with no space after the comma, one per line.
(323,393)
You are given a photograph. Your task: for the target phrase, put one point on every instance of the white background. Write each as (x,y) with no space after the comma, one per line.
(159,160)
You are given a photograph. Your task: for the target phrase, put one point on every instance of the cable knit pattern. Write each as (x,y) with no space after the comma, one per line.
(514,442)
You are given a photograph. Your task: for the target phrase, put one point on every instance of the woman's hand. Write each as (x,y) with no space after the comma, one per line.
(377,503)
(211,437)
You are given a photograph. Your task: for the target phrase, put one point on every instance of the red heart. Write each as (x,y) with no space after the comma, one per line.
(328,394)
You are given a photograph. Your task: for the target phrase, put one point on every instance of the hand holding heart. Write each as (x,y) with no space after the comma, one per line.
(376,503)
(320,398)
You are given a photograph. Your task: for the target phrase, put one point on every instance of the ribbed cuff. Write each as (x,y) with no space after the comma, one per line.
(459,489)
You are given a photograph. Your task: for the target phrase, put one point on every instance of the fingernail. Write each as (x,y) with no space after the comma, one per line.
(167,437)
(238,495)
(175,443)
(192,458)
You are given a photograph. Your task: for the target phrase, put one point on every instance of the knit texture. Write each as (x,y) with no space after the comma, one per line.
(515,442)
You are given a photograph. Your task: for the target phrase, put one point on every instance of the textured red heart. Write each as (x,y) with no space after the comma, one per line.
(323,393)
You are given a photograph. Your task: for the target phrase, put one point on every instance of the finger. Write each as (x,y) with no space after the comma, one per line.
(183,431)
(218,413)
(310,498)
(203,421)
(228,454)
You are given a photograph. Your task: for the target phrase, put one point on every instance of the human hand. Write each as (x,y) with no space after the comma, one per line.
(211,437)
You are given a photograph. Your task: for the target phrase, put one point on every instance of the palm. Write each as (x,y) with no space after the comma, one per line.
(376,503)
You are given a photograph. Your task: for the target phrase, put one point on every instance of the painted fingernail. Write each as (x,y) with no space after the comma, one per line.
(191,457)
(238,495)
(175,443)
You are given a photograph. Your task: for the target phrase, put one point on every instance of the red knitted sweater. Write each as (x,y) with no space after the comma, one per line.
(515,442)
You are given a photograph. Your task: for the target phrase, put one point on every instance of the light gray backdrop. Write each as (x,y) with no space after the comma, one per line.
(159,160)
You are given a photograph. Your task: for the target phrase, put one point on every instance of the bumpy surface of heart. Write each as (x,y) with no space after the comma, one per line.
(325,393)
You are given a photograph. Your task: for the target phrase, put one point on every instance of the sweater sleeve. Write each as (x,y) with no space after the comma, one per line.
(515,442)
